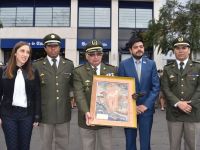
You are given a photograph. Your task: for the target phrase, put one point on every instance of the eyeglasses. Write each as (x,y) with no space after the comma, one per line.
(95,54)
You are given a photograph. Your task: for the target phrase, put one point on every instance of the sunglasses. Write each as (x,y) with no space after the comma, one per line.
(95,54)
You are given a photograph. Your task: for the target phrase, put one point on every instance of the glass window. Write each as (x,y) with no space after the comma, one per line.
(94,17)
(43,16)
(52,16)
(24,16)
(61,16)
(102,17)
(143,16)
(86,17)
(126,18)
(8,16)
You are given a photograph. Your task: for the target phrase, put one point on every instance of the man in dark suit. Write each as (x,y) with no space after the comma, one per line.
(147,88)
(181,86)
(56,80)
(83,78)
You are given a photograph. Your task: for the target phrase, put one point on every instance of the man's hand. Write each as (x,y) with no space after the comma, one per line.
(141,109)
(184,106)
(88,118)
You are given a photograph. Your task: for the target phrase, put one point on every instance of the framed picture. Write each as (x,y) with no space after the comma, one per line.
(112,103)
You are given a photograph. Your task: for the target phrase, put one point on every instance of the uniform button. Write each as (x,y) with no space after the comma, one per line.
(56,77)
(57,91)
(181,99)
(182,79)
(57,98)
(182,85)
(182,92)
(193,78)
(56,83)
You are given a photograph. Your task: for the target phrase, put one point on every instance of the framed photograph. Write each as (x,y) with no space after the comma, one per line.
(112,103)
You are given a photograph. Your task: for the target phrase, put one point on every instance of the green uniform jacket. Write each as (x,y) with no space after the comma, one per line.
(83,77)
(55,89)
(185,86)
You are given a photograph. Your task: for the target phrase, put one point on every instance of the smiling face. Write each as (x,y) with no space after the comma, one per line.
(22,55)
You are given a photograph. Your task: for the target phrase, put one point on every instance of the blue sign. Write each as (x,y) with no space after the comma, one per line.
(34,43)
(81,43)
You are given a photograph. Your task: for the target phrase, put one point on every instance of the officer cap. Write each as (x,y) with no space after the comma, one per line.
(94,46)
(51,39)
(181,41)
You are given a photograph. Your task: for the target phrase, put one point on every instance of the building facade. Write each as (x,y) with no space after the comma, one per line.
(77,21)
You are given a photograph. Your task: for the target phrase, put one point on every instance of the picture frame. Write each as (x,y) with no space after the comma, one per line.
(112,103)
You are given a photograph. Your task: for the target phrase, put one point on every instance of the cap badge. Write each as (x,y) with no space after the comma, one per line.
(180,39)
(52,36)
(94,42)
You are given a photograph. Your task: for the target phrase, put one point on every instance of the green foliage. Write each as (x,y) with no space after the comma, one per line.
(174,20)
(1,24)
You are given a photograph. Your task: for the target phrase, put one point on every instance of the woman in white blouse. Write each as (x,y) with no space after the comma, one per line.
(20,98)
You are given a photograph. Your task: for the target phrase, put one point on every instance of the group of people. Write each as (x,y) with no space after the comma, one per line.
(40,94)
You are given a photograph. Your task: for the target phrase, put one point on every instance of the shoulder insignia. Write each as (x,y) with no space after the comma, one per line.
(196,62)
(171,63)
(66,59)
(79,66)
(39,59)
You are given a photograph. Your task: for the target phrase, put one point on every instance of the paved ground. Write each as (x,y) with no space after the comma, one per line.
(159,135)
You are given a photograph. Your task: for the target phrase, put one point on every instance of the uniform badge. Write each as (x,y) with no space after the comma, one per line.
(44,63)
(171,76)
(52,36)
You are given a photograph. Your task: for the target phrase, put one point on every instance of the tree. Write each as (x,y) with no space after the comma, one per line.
(174,20)
(1,24)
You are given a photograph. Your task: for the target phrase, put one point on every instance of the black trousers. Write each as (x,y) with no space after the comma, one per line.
(17,129)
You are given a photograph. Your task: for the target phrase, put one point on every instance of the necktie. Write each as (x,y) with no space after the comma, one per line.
(54,64)
(138,68)
(95,70)
(181,66)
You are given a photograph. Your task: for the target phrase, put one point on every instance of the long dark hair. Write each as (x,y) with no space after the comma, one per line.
(12,62)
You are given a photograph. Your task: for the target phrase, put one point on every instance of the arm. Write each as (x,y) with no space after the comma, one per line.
(37,97)
(169,95)
(1,92)
(155,88)
(79,92)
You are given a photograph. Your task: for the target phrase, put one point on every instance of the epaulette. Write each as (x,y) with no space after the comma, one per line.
(67,59)
(39,59)
(170,63)
(195,62)
(79,66)
(110,65)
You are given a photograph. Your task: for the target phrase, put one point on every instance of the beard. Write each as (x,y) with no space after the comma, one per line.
(137,57)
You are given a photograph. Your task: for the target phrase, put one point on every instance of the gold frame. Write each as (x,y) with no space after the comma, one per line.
(112,103)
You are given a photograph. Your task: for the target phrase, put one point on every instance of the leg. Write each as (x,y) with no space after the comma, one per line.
(145,126)
(190,130)
(46,134)
(9,127)
(88,138)
(131,135)
(104,139)
(175,130)
(25,131)
(62,136)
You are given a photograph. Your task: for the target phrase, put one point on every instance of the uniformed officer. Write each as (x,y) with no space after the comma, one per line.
(56,80)
(181,86)
(83,77)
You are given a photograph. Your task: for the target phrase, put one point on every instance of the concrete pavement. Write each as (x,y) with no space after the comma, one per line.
(159,135)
